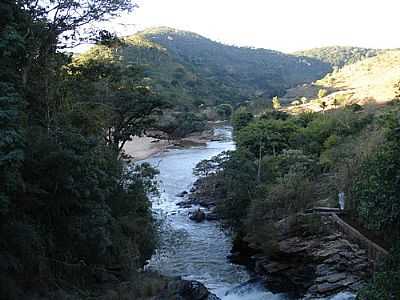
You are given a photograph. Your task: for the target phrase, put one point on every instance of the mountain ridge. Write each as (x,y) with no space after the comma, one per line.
(191,69)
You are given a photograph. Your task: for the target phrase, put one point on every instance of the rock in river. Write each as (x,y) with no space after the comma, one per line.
(182,194)
(186,290)
(197,215)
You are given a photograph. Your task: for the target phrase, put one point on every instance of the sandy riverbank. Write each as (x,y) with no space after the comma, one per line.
(143,147)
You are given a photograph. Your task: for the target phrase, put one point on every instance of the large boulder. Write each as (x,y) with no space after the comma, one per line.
(182,194)
(198,215)
(186,290)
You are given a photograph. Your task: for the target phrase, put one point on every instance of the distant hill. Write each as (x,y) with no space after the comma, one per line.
(371,79)
(190,69)
(338,56)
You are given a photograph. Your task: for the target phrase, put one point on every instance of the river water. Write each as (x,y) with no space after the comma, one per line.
(197,251)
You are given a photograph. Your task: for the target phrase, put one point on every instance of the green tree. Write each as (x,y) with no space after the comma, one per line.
(238,175)
(241,118)
(58,174)
(127,105)
(376,188)
(180,124)
(224,111)
(322,93)
(276,103)
(266,136)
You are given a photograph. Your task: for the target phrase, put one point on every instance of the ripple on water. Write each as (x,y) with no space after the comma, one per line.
(197,251)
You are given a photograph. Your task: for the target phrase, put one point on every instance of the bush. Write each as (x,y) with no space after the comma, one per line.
(291,194)
(385,284)
(240,119)
(377,187)
(267,136)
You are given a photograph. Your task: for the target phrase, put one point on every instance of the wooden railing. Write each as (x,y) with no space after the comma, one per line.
(375,252)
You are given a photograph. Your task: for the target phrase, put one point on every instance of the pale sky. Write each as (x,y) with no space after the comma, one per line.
(285,25)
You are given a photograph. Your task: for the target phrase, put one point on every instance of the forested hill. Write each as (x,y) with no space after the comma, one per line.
(339,56)
(190,69)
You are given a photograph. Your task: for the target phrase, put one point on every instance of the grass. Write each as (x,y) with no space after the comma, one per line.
(370,80)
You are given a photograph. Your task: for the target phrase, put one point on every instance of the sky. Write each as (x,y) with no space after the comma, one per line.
(284,25)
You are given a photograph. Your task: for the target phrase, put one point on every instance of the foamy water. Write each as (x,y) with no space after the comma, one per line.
(198,251)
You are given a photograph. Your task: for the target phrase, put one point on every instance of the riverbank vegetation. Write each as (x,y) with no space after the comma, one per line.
(285,164)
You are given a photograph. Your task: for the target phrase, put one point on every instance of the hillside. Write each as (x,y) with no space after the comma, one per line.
(190,69)
(372,79)
(339,56)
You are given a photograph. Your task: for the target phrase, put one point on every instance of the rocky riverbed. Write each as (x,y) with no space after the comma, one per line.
(310,263)
(312,260)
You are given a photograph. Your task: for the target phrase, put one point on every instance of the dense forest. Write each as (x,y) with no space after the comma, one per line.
(73,214)
(339,56)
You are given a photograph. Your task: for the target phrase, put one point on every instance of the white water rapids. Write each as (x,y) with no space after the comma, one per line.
(198,251)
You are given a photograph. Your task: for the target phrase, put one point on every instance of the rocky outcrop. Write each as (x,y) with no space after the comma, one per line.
(182,194)
(145,286)
(205,192)
(197,215)
(186,290)
(313,265)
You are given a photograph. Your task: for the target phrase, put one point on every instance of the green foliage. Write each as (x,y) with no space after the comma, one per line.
(274,114)
(224,111)
(238,175)
(276,103)
(12,55)
(340,99)
(235,173)
(322,93)
(289,161)
(211,166)
(11,144)
(241,118)
(338,56)
(187,68)
(266,136)
(385,284)
(376,188)
(118,93)
(66,196)
(181,124)
(354,107)
(341,123)
(278,167)
(292,193)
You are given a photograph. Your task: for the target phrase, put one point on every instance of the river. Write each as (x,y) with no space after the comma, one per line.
(197,251)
